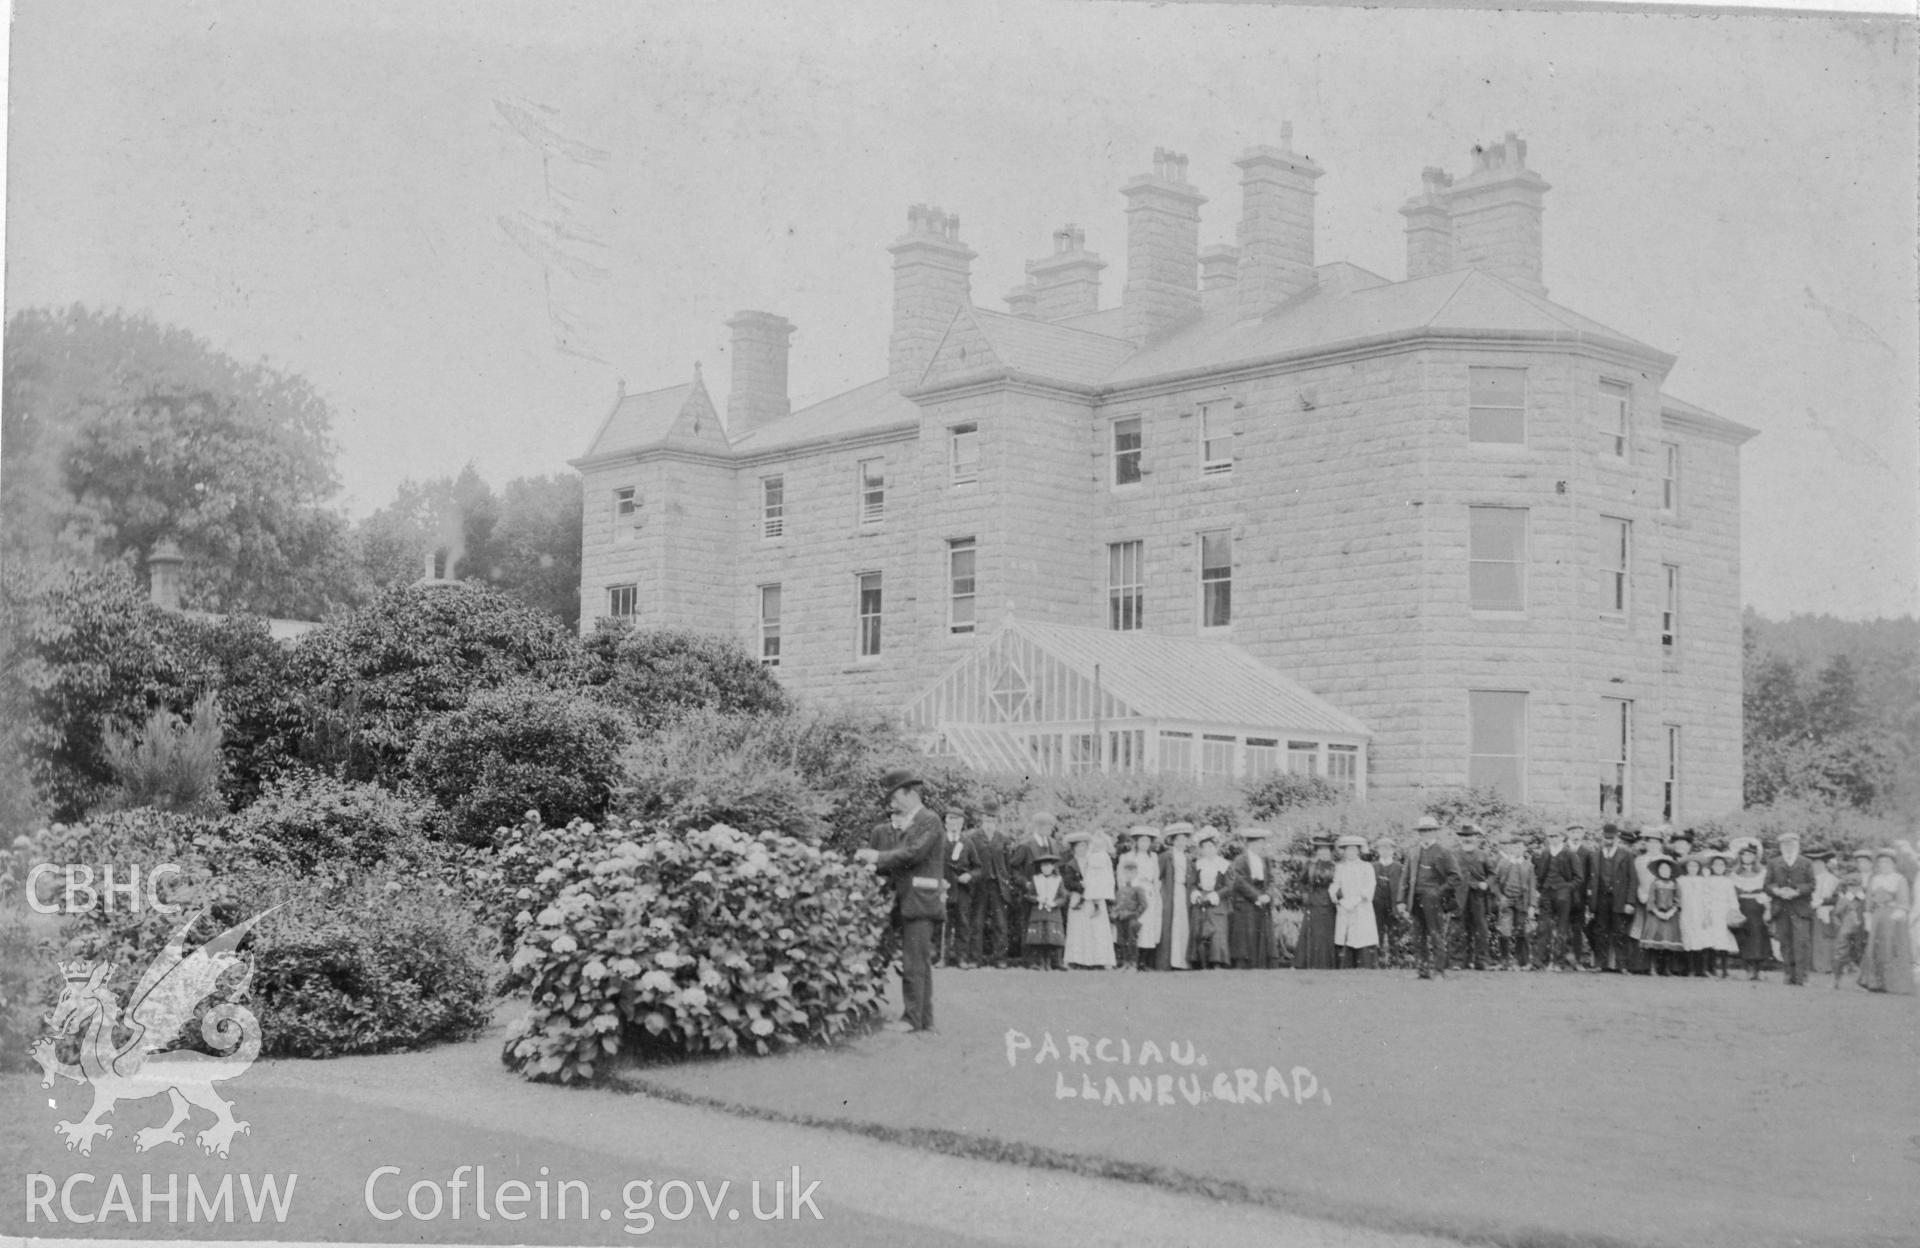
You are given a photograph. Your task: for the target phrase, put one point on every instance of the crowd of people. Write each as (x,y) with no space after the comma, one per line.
(1180,897)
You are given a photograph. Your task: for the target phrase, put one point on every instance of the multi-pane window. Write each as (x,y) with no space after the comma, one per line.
(873,490)
(1497,741)
(960,563)
(1216,579)
(626,514)
(1126,586)
(1303,758)
(1216,438)
(1670,482)
(1083,753)
(623,601)
(1616,536)
(770,625)
(1616,735)
(1176,753)
(1126,451)
(1670,787)
(1263,756)
(1615,402)
(1343,765)
(773,506)
(1127,749)
(1670,609)
(1216,755)
(1497,558)
(869,614)
(963,453)
(1497,405)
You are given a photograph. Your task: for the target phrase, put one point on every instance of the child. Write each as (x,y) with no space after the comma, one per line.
(1661,936)
(1516,893)
(1696,934)
(1723,909)
(1145,860)
(1128,909)
(1046,934)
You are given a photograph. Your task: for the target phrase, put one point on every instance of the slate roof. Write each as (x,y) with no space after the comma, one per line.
(1187,678)
(863,409)
(1050,349)
(1465,302)
(640,419)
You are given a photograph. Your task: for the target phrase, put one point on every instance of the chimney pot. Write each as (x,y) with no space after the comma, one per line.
(932,280)
(164,562)
(1276,225)
(1495,213)
(1163,248)
(1066,283)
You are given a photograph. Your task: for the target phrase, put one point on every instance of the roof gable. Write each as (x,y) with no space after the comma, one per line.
(678,416)
(981,343)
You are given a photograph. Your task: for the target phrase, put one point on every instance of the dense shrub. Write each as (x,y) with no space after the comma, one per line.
(373,678)
(655,675)
(170,763)
(309,821)
(1272,795)
(1821,822)
(356,960)
(704,942)
(516,747)
(85,651)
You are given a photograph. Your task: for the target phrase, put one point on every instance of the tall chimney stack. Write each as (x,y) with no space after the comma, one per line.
(932,280)
(1022,299)
(1163,247)
(1429,226)
(757,393)
(164,562)
(1276,225)
(1219,277)
(1496,215)
(1066,283)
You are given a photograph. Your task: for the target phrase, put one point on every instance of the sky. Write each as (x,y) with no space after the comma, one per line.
(469,224)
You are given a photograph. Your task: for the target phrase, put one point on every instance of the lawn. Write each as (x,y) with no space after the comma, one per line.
(1557,1108)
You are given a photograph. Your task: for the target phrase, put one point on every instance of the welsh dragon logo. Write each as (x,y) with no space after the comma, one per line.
(164,1000)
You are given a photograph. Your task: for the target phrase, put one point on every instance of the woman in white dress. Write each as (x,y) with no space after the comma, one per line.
(1089,929)
(1356,934)
(1146,875)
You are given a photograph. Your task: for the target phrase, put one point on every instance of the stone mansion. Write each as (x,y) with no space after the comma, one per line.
(1264,513)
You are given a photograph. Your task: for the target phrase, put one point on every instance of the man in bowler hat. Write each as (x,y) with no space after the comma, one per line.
(915,867)
(1432,877)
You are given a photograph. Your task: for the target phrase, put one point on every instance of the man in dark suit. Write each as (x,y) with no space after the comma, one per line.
(1432,880)
(914,866)
(1388,871)
(986,860)
(1586,861)
(1562,877)
(1476,899)
(1611,890)
(1790,883)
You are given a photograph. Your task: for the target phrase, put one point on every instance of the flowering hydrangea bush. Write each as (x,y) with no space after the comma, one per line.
(661,943)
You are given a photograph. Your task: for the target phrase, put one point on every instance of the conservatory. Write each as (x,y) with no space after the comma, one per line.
(1052,699)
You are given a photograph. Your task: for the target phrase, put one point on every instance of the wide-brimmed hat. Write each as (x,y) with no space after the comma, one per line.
(1711,854)
(1574,825)
(1788,835)
(1658,859)
(1467,829)
(1078,836)
(1208,833)
(1355,842)
(1147,830)
(1741,844)
(1426,823)
(1046,855)
(898,778)
(989,805)
(1254,833)
(1177,829)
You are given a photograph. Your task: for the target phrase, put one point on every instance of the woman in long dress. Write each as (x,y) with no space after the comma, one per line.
(1146,875)
(1212,897)
(1826,926)
(1315,951)
(1089,928)
(1888,966)
(1356,936)
(1661,935)
(1750,886)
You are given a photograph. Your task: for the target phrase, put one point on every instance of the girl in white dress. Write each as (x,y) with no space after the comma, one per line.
(1356,935)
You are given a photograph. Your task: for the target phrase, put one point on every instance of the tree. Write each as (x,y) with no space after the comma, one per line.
(120,432)
(656,675)
(535,553)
